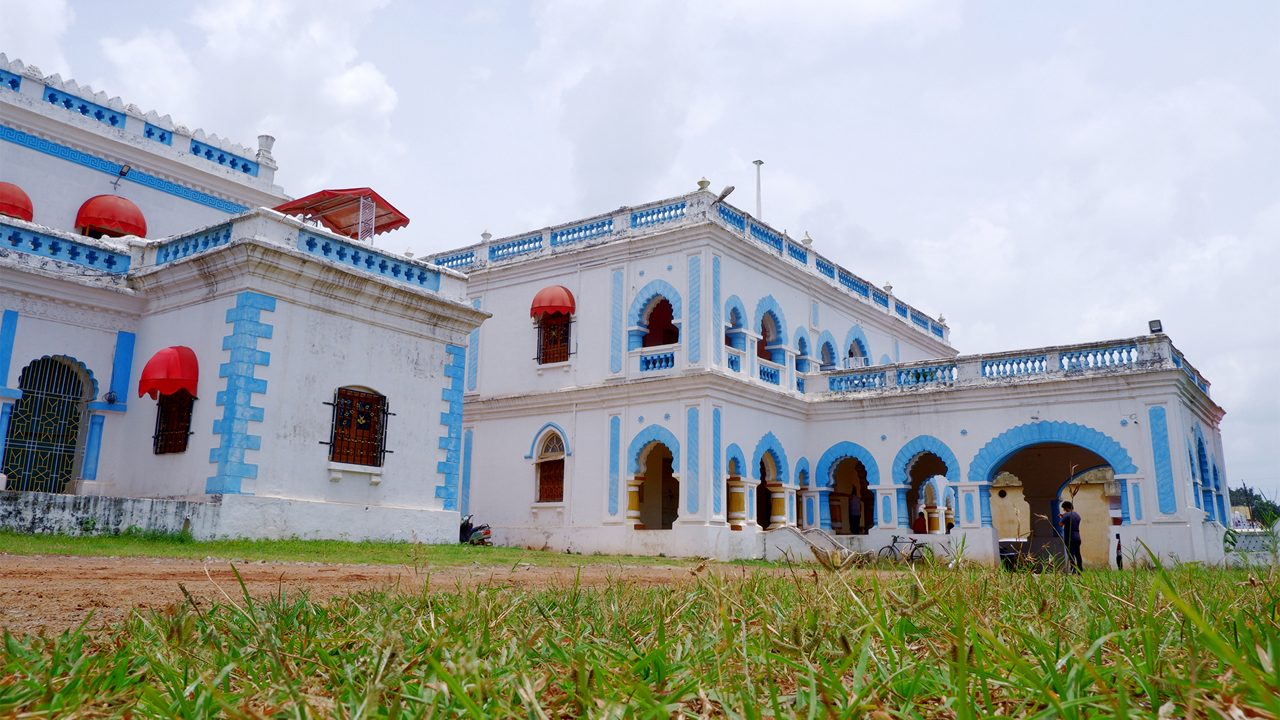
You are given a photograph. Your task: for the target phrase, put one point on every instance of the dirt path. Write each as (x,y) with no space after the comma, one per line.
(57,591)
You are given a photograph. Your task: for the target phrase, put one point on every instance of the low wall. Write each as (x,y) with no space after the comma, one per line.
(223,516)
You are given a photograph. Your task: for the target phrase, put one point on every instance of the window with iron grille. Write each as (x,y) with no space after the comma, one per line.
(553,338)
(359,431)
(551,470)
(173,422)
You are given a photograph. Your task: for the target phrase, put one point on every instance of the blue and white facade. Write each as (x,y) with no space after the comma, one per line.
(858,392)
(279,315)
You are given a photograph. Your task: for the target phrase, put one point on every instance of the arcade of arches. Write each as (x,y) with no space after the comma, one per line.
(850,477)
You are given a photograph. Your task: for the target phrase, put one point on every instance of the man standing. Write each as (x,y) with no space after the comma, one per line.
(1071,534)
(855,514)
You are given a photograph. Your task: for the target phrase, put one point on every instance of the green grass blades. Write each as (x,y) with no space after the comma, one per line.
(966,643)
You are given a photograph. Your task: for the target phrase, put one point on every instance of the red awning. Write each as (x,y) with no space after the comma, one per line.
(14,202)
(111,215)
(339,210)
(168,371)
(552,299)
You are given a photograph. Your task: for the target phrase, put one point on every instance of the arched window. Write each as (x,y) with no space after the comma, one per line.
(358,434)
(661,328)
(802,355)
(552,310)
(735,335)
(857,355)
(828,361)
(550,466)
(768,336)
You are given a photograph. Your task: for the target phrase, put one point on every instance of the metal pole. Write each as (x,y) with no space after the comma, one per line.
(759,211)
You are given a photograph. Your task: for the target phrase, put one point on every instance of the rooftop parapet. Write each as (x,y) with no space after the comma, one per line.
(71,102)
(1145,353)
(687,210)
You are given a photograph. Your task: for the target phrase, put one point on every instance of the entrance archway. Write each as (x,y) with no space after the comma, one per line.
(764,495)
(850,477)
(926,496)
(43,445)
(659,490)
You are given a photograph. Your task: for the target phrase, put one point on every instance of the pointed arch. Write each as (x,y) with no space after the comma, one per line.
(823,477)
(644,300)
(827,342)
(771,445)
(542,431)
(768,305)
(733,454)
(86,375)
(1000,448)
(858,336)
(648,436)
(804,478)
(914,448)
(735,303)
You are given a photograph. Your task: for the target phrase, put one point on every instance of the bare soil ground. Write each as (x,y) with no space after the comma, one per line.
(56,592)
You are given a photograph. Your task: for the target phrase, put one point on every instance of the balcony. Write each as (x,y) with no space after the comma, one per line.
(1146,353)
(770,372)
(655,361)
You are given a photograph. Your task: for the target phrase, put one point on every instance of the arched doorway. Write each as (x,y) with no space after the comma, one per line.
(857,355)
(660,324)
(659,490)
(43,444)
(924,494)
(1028,490)
(764,495)
(850,493)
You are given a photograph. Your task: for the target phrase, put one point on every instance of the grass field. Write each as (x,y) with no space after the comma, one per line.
(1187,642)
(326,551)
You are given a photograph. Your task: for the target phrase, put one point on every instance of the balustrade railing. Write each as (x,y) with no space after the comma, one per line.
(857,382)
(658,215)
(734,359)
(770,373)
(650,362)
(927,375)
(1015,366)
(1101,357)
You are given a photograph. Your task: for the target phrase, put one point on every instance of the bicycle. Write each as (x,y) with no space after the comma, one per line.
(912,550)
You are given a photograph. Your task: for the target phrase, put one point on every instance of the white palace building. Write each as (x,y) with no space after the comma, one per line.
(676,377)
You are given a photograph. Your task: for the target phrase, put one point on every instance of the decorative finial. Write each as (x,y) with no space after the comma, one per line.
(704,183)
(888,287)
(806,239)
(942,320)
(486,236)
(408,253)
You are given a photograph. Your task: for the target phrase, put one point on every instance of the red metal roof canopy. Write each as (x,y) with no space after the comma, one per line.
(111,215)
(14,202)
(552,299)
(168,371)
(339,210)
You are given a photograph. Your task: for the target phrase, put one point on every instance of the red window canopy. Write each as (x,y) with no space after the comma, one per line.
(168,371)
(552,299)
(14,202)
(111,215)
(339,210)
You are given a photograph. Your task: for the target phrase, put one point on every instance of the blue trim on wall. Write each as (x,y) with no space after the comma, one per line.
(615,461)
(615,334)
(923,444)
(465,500)
(1124,500)
(30,242)
(122,368)
(735,303)
(8,331)
(1137,502)
(648,436)
(6,411)
(185,246)
(992,455)
(1166,496)
(808,512)
(968,507)
(824,339)
(693,338)
(731,453)
(768,304)
(635,316)
(473,354)
(823,477)
(365,259)
(772,445)
(84,159)
(236,400)
(451,419)
(691,448)
(717,322)
(92,448)
(533,445)
(717,466)
(904,513)
(803,473)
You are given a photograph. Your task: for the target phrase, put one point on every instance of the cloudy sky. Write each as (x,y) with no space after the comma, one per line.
(1038,173)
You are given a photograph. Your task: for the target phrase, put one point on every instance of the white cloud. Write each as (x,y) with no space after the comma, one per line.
(33,32)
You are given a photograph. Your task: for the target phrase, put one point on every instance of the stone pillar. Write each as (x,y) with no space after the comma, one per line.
(737,502)
(823,508)
(633,501)
(777,505)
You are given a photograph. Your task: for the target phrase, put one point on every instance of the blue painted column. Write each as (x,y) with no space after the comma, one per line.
(692,448)
(615,462)
(92,448)
(984,503)
(693,344)
(824,508)
(717,472)
(6,412)
(1124,500)
(8,331)
(616,329)
(904,513)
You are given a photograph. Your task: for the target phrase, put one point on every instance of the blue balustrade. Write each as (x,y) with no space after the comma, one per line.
(1200,382)
(1015,366)
(88,109)
(800,384)
(920,319)
(735,362)
(771,375)
(1112,356)
(224,158)
(900,309)
(855,284)
(798,253)
(578,233)
(928,375)
(880,299)
(158,134)
(10,80)
(767,236)
(458,260)
(857,382)
(659,215)
(825,267)
(362,257)
(732,217)
(936,329)
(188,245)
(519,246)
(658,361)
(29,242)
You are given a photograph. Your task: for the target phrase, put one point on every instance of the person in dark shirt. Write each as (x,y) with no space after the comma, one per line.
(1071,534)
(920,526)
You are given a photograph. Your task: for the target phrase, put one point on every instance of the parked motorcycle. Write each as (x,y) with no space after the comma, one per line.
(469,534)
